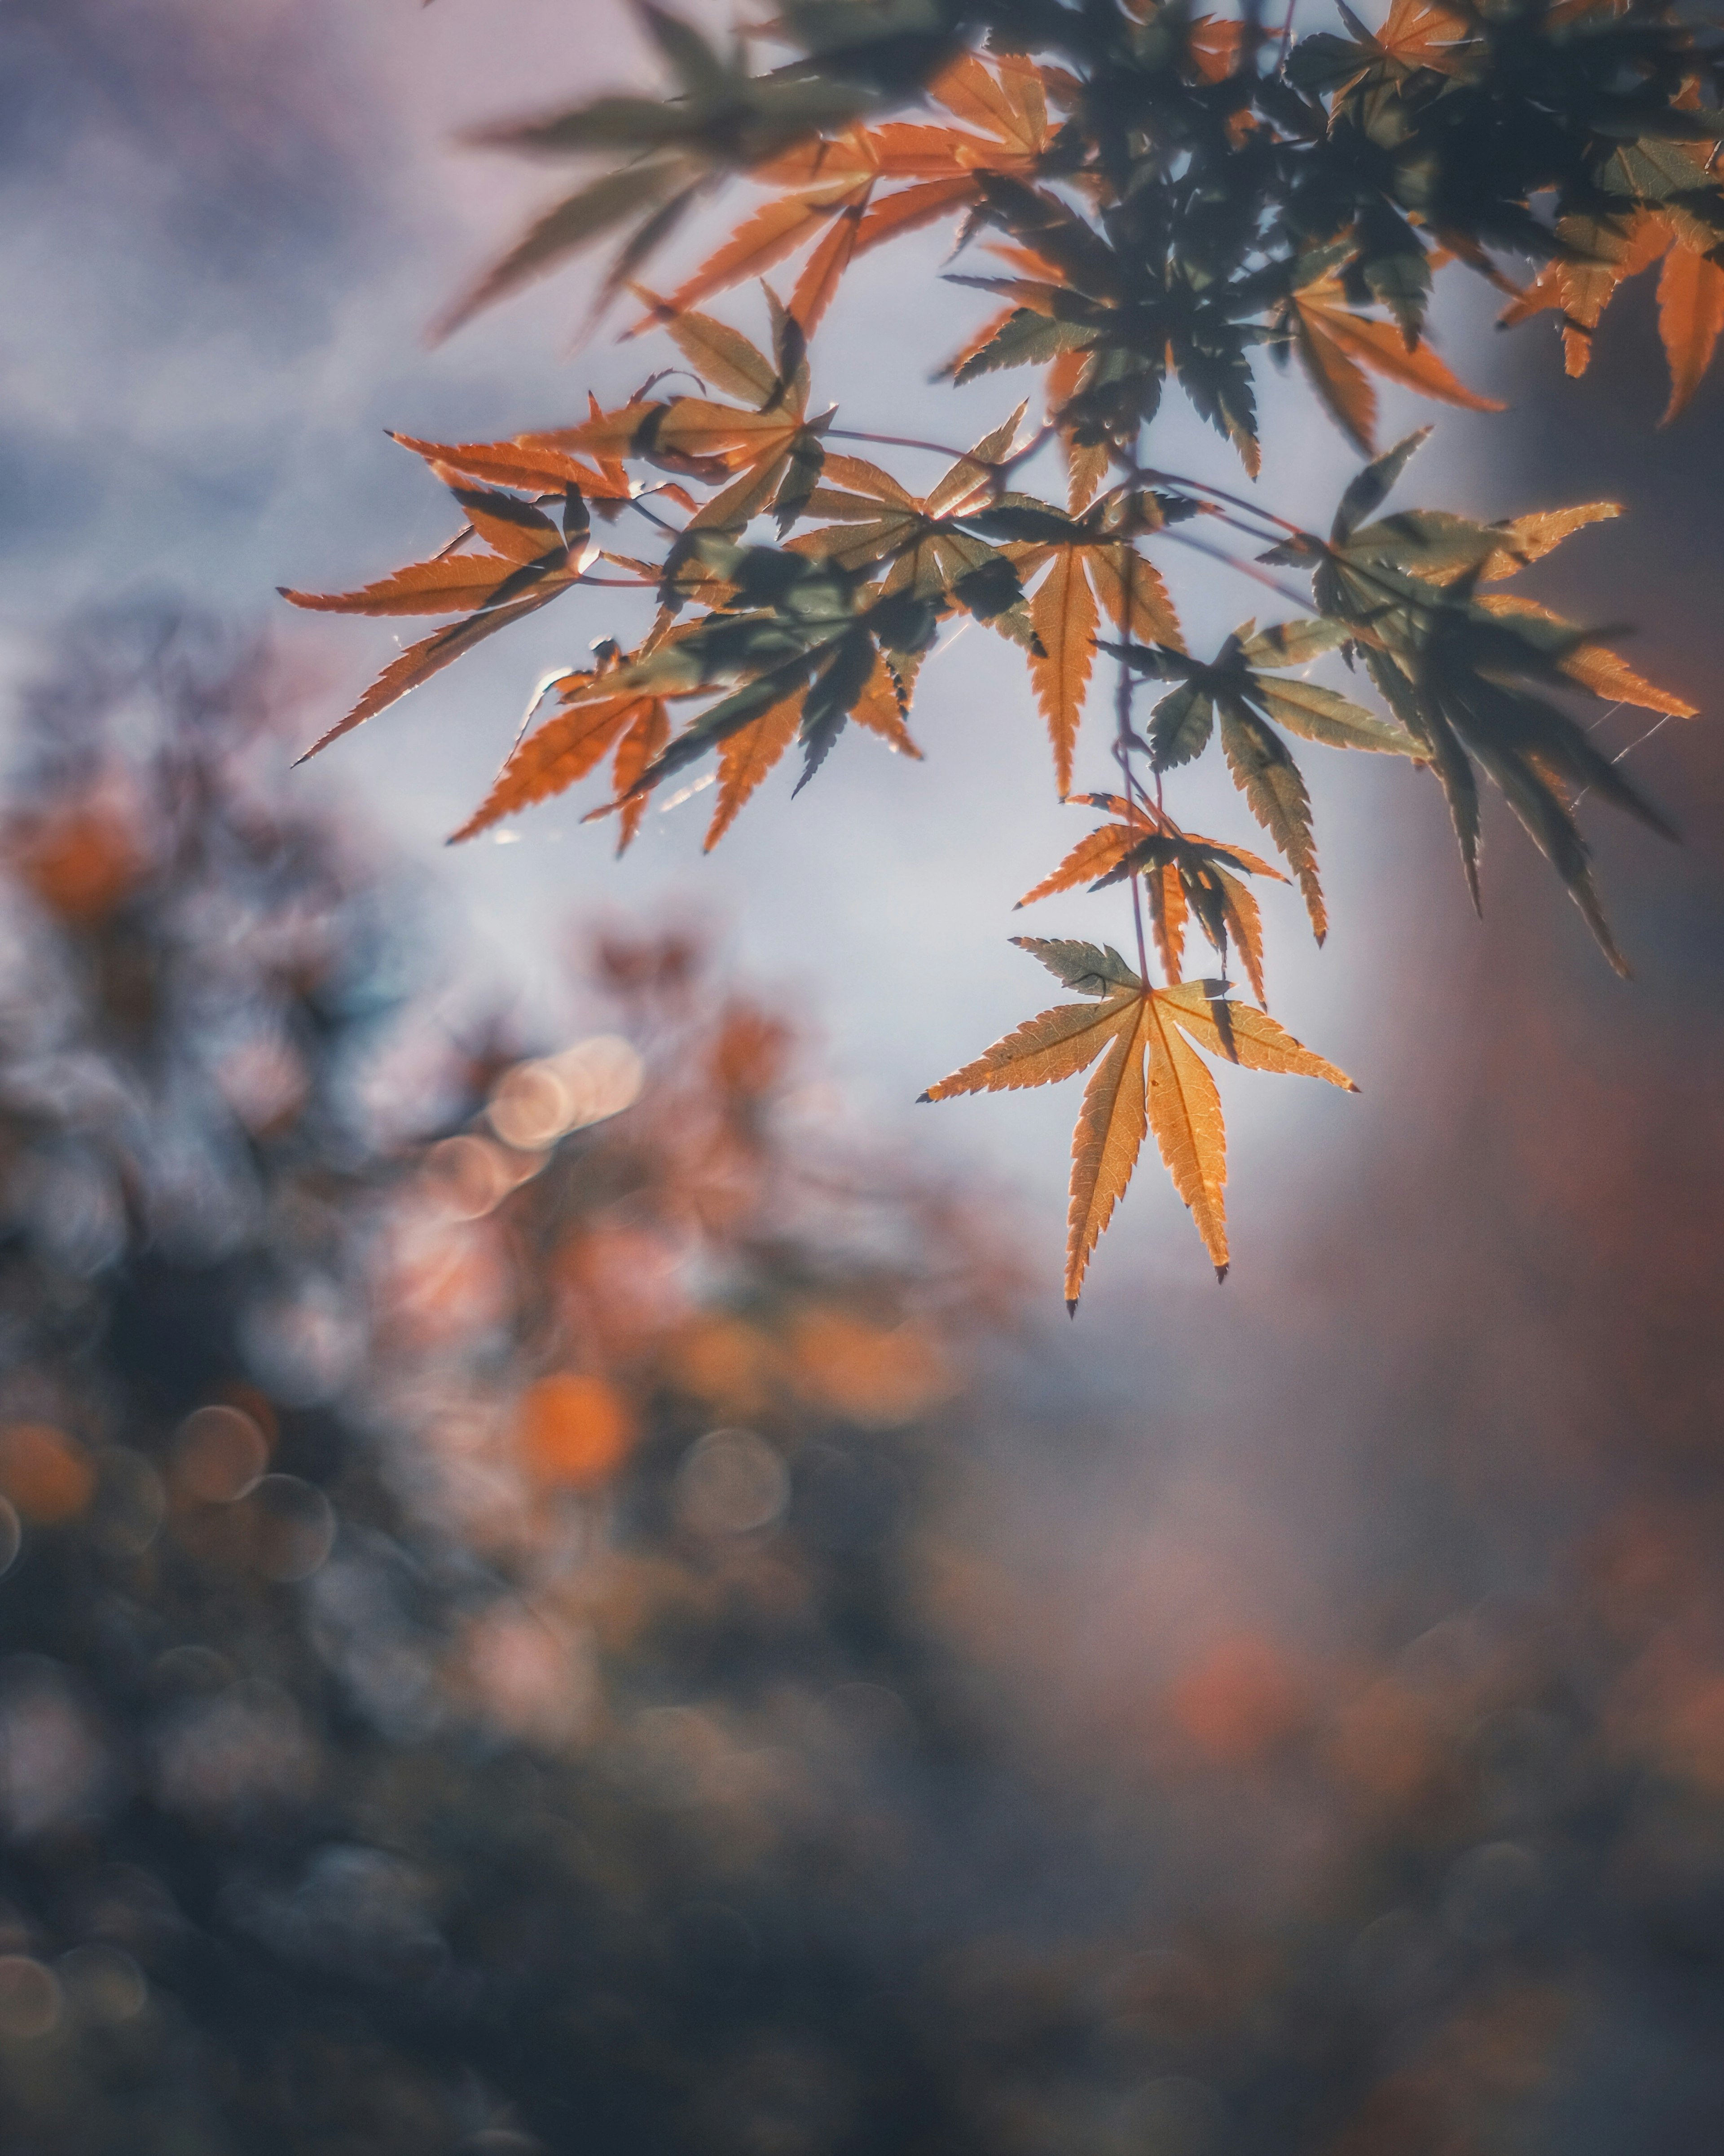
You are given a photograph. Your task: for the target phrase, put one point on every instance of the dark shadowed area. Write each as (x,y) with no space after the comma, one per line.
(565,1582)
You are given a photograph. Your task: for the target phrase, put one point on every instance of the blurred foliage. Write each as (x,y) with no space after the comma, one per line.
(492,1656)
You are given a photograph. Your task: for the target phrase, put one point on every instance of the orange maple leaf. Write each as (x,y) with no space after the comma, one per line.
(1183,873)
(1334,346)
(1149,1077)
(1085,578)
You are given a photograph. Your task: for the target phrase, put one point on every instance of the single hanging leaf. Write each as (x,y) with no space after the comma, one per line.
(1130,1025)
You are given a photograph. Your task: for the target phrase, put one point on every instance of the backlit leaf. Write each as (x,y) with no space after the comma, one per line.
(1690,313)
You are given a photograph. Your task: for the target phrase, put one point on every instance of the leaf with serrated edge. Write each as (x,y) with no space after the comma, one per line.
(717,353)
(1091,857)
(453,583)
(1259,1043)
(1319,715)
(1134,597)
(1275,793)
(1056,1044)
(1690,313)
(1065,615)
(421,661)
(644,740)
(1105,1144)
(744,759)
(1092,969)
(509,526)
(1167,914)
(563,751)
(1595,667)
(1185,1114)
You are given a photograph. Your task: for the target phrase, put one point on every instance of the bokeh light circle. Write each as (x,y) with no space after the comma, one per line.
(731,1483)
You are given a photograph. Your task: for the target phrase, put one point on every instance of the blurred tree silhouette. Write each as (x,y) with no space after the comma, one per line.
(487,1661)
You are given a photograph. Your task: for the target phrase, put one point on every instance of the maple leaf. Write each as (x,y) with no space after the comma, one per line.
(789,627)
(831,187)
(1184,874)
(931,558)
(1599,253)
(532,562)
(754,453)
(1690,313)
(1416,36)
(592,725)
(745,757)
(1149,1076)
(1236,691)
(1334,346)
(1089,569)
(1455,669)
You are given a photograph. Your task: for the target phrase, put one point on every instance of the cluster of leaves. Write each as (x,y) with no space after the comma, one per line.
(1162,193)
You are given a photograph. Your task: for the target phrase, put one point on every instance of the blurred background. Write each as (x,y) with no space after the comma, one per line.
(567,1583)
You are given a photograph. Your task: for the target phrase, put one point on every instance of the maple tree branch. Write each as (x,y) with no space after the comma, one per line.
(1219,494)
(1245,568)
(905,442)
